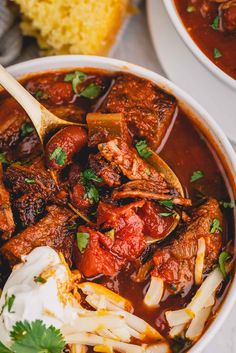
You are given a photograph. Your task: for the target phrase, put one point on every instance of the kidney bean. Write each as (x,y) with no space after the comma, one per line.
(63,145)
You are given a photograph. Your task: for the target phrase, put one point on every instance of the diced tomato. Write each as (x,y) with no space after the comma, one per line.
(60,92)
(97,259)
(155,225)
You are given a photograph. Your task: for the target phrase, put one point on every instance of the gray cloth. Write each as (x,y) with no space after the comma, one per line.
(10,37)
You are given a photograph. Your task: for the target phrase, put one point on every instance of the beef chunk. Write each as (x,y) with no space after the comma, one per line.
(147,108)
(227,12)
(12,116)
(109,174)
(34,179)
(175,263)
(28,209)
(7,224)
(126,159)
(52,230)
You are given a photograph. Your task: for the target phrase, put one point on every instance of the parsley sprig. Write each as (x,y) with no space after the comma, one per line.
(34,337)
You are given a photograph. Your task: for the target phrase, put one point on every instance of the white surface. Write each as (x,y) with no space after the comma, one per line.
(200,115)
(176,20)
(186,71)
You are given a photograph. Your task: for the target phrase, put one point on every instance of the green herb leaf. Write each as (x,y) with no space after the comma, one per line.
(217,54)
(92,193)
(82,241)
(224,256)
(198,174)
(166,203)
(41,95)
(9,301)
(88,174)
(4,349)
(180,344)
(215,23)
(215,225)
(173,287)
(111,234)
(166,214)
(36,337)
(91,91)
(39,279)
(59,155)
(191,8)
(3,158)
(142,149)
(26,129)
(29,181)
(227,204)
(76,78)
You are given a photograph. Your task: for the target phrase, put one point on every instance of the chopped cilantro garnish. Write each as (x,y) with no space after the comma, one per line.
(39,279)
(41,95)
(224,256)
(217,54)
(59,155)
(75,78)
(142,149)
(166,214)
(198,174)
(215,23)
(9,301)
(29,181)
(3,158)
(191,8)
(227,204)
(88,174)
(166,203)
(173,287)
(26,129)
(82,240)
(34,337)
(92,193)
(215,225)
(111,234)
(180,344)
(91,91)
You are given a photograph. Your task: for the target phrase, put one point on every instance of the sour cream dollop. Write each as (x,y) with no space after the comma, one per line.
(49,301)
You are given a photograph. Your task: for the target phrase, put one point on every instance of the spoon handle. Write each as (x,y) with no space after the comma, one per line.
(22,96)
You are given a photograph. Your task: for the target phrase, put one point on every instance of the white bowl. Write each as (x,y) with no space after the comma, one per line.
(179,25)
(200,117)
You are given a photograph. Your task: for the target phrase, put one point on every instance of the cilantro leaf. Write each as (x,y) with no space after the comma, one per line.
(215,225)
(142,149)
(92,193)
(39,279)
(215,23)
(198,174)
(227,204)
(88,174)
(224,256)
(4,349)
(26,129)
(216,53)
(29,181)
(91,91)
(166,203)
(35,337)
(75,78)
(9,301)
(82,240)
(59,155)
(3,158)
(41,95)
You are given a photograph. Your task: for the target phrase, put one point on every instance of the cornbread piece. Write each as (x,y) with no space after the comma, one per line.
(147,108)
(52,230)
(73,26)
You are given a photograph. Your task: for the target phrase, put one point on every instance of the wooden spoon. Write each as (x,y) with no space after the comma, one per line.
(42,119)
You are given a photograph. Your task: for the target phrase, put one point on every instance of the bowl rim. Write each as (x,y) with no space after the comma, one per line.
(190,43)
(79,61)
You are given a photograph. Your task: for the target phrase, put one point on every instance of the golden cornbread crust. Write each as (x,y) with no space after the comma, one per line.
(73,26)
